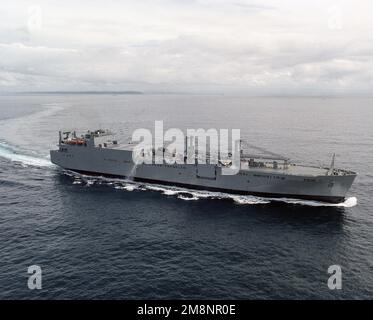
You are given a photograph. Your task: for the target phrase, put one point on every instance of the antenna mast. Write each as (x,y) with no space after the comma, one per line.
(331,168)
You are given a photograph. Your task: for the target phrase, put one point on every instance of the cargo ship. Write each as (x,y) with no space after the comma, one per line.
(98,153)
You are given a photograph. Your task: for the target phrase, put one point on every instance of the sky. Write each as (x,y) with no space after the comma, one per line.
(270,47)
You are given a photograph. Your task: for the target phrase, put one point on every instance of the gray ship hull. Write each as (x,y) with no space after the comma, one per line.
(298,182)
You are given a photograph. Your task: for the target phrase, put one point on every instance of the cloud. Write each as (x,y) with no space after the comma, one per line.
(223,46)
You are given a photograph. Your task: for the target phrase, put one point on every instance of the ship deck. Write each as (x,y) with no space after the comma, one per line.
(267,166)
(292,169)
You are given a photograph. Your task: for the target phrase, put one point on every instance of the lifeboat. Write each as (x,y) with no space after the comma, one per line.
(80,141)
(76,141)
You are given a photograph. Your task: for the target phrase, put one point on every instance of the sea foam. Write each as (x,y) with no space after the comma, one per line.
(191,194)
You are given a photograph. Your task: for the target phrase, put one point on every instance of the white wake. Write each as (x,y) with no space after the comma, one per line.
(15,154)
(16,137)
(193,195)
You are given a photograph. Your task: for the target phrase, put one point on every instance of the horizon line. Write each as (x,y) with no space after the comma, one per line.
(136,92)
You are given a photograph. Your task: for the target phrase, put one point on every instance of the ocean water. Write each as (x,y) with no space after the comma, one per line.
(97,238)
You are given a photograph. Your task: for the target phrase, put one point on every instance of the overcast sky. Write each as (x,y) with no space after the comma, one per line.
(317,47)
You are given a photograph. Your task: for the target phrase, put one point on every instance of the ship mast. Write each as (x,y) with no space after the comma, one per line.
(331,168)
